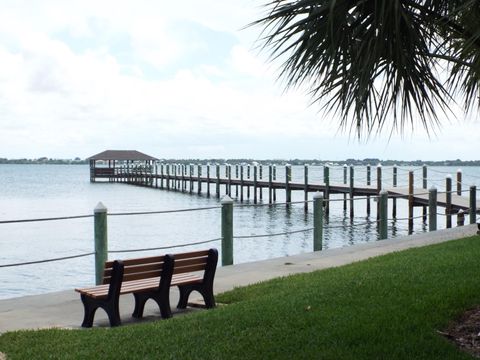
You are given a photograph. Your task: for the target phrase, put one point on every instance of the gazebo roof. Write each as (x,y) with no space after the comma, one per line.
(121,155)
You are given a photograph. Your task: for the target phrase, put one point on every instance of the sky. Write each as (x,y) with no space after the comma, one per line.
(174,79)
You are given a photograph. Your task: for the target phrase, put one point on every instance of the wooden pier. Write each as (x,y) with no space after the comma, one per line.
(250,182)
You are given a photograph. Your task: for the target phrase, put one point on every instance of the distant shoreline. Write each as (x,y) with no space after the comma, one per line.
(357,162)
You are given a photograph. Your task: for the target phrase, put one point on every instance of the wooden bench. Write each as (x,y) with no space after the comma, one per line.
(151,278)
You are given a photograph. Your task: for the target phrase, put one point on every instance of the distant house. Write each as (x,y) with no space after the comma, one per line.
(112,164)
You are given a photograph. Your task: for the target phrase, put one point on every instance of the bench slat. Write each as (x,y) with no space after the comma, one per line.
(136,261)
(191,254)
(188,268)
(194,261)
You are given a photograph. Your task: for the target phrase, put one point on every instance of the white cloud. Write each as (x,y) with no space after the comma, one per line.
(78,94)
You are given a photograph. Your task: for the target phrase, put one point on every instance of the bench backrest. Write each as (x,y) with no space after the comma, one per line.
(205,260)
(138,268)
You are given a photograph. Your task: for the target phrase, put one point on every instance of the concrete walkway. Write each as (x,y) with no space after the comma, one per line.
(64,309)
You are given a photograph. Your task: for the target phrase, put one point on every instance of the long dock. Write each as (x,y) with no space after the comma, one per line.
(247,188)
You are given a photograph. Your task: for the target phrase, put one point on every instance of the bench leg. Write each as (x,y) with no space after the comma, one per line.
(89,311)
(90,306)
(205,291)
(163,302)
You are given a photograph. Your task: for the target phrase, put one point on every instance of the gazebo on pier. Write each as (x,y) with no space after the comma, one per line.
(120,165)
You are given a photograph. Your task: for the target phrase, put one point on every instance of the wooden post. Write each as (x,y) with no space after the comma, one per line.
(288,177)
(448,207)
(305,187)
(255,169)
(352,182)
(369,182)
(208,179)
(270,185)
(184,177)
(345,183)
(174,170)
(241,183)
(459,182)
(101,240)
(227,230)
(424,176)
(424,208)
(191,178)
(379,187)
(274,177)
(317,221)
(432,209)
(217,168)
(383,223)
(199,180)
(410,202)
(168,177)
(326,180)
(161,176)
(473,204)
(248,180)
(394,200)
(228,168)
(260,176)
(460,218)
(236,178)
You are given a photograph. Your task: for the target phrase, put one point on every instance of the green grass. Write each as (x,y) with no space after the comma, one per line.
(389,307)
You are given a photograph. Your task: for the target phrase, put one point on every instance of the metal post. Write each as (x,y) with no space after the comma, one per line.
(101,241)
(161,176)
(473,204)
(305,187)
(383,224)
(227,230)
(432,209)
(317,221)
(459,182)
(448,205)
(191,178)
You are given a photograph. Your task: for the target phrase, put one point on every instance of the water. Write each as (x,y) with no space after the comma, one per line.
(36,191)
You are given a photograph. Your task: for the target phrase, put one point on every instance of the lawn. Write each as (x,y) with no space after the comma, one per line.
(389,307)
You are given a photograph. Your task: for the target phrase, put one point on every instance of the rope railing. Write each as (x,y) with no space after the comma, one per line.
(164,211)
(45,219)
(47,260)
(163,247)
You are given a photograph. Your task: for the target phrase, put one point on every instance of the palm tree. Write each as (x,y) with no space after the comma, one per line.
(378,63)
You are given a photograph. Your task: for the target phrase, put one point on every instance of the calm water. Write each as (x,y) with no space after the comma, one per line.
(33,191)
